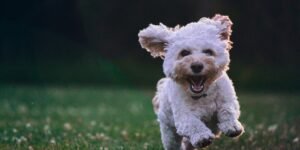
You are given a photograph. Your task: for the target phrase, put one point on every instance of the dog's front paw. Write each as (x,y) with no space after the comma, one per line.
(231,128)
(202,139)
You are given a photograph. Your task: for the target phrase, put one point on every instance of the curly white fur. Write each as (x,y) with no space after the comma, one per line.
(182,117)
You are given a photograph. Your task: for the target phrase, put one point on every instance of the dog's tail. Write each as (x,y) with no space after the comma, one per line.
(159,90)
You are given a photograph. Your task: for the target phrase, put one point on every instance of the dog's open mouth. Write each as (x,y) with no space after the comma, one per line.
(196,83)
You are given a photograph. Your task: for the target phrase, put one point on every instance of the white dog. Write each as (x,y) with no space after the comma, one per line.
(196,100)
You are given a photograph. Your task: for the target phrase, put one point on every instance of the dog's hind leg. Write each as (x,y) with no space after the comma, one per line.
(186,144)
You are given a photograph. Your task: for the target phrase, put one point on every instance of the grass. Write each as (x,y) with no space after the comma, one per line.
(118,118)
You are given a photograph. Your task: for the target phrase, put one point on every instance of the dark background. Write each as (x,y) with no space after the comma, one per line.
(94,42)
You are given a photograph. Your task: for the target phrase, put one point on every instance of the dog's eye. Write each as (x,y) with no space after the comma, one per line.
(208,52)
(185,53)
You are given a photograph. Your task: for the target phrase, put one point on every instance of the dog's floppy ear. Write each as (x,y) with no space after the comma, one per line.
(226,31)
(154,39)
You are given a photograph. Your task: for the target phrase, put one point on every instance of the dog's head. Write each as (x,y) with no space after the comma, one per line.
(194,55)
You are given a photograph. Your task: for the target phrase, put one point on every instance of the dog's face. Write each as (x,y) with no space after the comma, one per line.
(194,55)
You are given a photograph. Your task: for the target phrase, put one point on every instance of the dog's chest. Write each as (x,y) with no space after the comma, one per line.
(204,107)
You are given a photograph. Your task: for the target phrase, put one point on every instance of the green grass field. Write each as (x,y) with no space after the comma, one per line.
(119,118)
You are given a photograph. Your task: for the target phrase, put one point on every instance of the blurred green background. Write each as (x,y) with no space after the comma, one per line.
(73,75)
(89,42)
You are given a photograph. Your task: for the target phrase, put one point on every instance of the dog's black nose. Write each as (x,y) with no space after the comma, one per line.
(197,67)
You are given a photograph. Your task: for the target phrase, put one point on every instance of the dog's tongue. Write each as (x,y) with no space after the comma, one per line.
(197,88)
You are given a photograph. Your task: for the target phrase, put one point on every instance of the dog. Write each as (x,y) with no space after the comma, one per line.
(196,101)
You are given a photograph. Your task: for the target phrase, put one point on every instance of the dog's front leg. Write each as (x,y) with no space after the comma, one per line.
(171,140)
(190,126)
(228,110)
(228,121)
